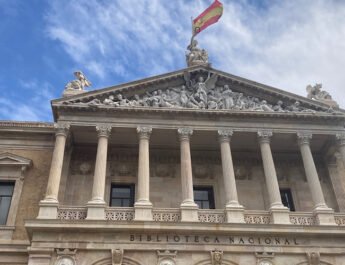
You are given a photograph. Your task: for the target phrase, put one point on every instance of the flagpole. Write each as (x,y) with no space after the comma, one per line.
(191,40)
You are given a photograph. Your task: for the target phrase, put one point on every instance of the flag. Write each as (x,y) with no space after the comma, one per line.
(210,16)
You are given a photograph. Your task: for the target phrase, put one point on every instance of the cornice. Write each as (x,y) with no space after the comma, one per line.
(25,124)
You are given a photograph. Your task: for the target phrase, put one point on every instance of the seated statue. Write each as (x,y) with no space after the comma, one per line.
(315,92)
(80,83)
(195,55)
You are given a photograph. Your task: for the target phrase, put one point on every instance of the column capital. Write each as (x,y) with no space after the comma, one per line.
(103,130)
(185,133)
(224,135)
(62,128)
(341,138)
(144,132)
(304,137)
(264,136)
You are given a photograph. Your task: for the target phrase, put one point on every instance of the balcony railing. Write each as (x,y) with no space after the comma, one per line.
(173,215)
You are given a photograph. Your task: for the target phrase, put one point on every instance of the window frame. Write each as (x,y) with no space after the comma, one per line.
(131,186)
(211,198)
(288,191)
(3,183)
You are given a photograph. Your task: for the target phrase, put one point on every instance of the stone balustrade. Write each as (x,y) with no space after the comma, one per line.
(211,216)
(71,213)
(257,217)
(119,213)
(302,218)
(166,215)
(340,219)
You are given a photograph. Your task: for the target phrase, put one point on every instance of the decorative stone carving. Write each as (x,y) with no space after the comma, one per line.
(341,138)
(103,130)
(315,92)
(116,256)
(200,91)
(164,170)
(61,128)
(242,172)
(66,257)
(195,55)
(313,258)
(216,257)
(264,258)
(264,135)
(166,257)
(304,137)
(78,84)
(85,168)
(144,131)
(225,135)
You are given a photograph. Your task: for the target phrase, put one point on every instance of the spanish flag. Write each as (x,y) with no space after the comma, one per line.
(210,16)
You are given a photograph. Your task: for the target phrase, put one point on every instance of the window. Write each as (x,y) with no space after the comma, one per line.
(203,196)
(122,195)
(6,192)
(287,199)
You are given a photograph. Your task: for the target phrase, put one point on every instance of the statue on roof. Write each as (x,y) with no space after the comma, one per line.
(78,84)
(315,92)
(195,55)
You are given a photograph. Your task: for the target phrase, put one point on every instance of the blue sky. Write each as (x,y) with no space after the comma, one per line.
(287,44)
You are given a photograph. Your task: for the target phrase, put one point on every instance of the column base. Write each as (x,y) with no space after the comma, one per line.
(48,209)
(324,216)
(95,210)
(143,211)
(280,215)
(189,212)
(234,213)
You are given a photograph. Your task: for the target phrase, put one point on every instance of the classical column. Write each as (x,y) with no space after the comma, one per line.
(96,207)
(143,206)
(234,211)
(323,213)
(49,205)
(189,209)
(279,213)
(341,145)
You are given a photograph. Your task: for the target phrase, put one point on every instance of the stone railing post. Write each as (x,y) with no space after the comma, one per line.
(189,209)
(324,214)
(49,205)
(143,206)
(96,207)
(233,210)
(279,213)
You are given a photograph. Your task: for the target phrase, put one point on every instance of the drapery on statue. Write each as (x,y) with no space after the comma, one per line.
(315,92)
(80,83)
(195,55)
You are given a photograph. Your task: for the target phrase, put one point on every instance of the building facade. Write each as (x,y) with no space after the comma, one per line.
(191,167)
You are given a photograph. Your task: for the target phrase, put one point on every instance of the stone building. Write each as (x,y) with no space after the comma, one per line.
(192,167)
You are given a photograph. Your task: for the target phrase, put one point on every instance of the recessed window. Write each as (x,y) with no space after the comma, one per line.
(203,197)
(6,192)
(287,199)
(122,195)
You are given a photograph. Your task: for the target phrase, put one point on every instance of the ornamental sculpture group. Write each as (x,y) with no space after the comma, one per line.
(197,93)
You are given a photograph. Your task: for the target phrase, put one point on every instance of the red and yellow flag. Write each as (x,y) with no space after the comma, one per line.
(210,16)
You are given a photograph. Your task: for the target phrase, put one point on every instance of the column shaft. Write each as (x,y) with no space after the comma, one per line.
(310,171)
(269,169)
(144,166)
(341,144)
(57,161)
(228,168)
(101,164)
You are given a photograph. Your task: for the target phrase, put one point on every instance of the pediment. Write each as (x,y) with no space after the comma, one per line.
(9,159)
(200,89)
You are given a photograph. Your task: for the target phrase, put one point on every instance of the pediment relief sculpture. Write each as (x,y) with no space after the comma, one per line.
(315,92)
(200,92)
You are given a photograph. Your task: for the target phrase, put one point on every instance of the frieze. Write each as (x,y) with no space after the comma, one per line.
(223,240)
(198,92)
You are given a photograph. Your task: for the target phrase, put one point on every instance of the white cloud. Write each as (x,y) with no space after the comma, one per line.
(287,44)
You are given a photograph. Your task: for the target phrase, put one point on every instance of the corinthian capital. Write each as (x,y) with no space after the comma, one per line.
(61,128)
(341,138)
(144,132)
(304,137)
(264,136)
(103,130)
(224,135)
(185,133)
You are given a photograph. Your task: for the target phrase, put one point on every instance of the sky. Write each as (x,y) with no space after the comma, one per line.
(285,44)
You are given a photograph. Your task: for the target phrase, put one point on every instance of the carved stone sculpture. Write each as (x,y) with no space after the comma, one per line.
(216,257)
(315,92)
(78,84)
(116,256)
(195,55)
(166,257)
(313,258)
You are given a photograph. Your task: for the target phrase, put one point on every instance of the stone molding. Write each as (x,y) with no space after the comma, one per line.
(144,132)
(304,138)
(62,128)
(185,133)
(264,136)
(103,130)
(224,135)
